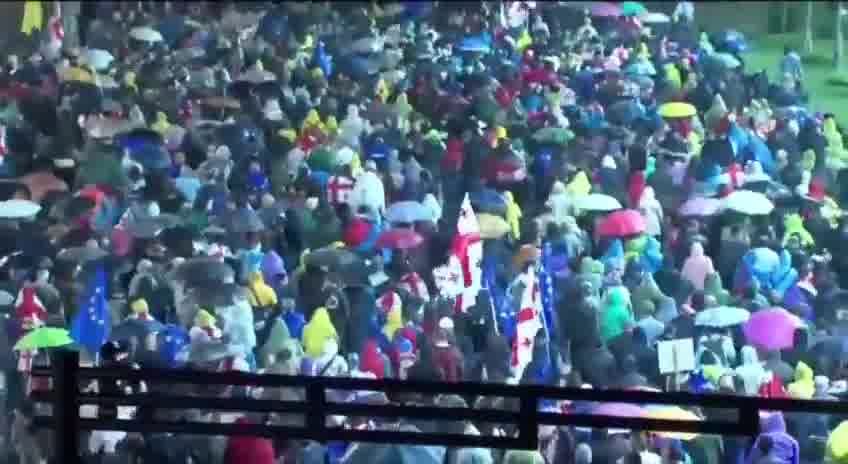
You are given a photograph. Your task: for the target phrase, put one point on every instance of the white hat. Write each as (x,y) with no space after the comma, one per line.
(272,110)
(446,323)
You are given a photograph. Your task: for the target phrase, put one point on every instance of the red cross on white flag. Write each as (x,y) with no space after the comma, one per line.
(527,325)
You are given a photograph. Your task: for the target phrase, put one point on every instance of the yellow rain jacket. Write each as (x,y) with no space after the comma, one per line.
(261,295)
(382,91)
(33,19)
(579,186)
(394,321)
(402,105)
(524,41)
(672,75)
(803,387)
(793,225)
(161,125)
(287,134)
(317,332)
(313,120)
(835,144)
(331,125)
(129,81)
(513,216)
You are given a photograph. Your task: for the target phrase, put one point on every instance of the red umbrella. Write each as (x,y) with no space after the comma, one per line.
(622,223)
(507,170)
(399,239)
(357,232)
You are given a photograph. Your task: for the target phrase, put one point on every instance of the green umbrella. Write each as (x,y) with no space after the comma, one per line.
(633,9)
(322,159)
(45,337)
(555,135)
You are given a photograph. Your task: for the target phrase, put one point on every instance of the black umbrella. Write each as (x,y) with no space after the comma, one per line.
(246,220)
(135,328)
(144,228)
(333,258)
(213,294)
(82,254)
(200,271)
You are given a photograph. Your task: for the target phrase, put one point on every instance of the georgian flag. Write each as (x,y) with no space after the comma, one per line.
(4,148)
(467,255)
(528,323)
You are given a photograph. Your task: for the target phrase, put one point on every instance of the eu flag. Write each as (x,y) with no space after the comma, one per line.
(92,322)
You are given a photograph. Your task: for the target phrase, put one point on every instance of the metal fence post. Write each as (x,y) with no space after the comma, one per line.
(316,399)
(528,425)
(66,406)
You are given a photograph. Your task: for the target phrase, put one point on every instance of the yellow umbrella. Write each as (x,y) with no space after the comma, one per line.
(837,444)
(674,413)
(677,110)
(491,226)
(77,74)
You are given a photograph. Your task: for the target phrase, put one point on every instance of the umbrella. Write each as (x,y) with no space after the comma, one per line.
(322,159)
(215,294)
(198,271)
(407,212)
(726,60)
(619,410)
(622,224)
(18,209)
(837,443)
(700,206)
(474,44)
(97,58)
(81,254)
(633,9)
(135,328)
(373,453)
(77,74)
(554,135)
(623,113)
(106,128)
(220,102)
(652,17)
(257,76)
(722,316)
(597,202)
(605,9)
(491,226)
(772,329)
(748,203)
(246,220)
(144,228)
(641,68)
(677,110)
(488,201)
(674,413)
(332,258)
(45,337)
(6,298)
(399,239)
(146,34)
(41,183)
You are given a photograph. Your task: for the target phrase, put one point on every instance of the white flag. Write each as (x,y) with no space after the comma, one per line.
(528,323)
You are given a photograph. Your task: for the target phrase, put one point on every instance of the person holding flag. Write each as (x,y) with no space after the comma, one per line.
(528,324)
(467,255)
(92,322)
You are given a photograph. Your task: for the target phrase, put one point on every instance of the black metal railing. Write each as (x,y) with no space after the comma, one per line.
(66,399)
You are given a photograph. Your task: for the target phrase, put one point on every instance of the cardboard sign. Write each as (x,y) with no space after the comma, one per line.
(676,355)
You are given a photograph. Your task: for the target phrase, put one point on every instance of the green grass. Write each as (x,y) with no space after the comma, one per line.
(828,90)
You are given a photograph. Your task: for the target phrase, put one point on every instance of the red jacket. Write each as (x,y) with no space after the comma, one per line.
(249,450)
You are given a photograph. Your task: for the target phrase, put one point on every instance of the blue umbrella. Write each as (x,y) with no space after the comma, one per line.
(475,45)
(488,201)
(135,328)
(641,68)
(407,212)
(151,157)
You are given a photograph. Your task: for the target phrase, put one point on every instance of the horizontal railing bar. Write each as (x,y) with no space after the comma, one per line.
(271,431)
(462,388)
(645,424)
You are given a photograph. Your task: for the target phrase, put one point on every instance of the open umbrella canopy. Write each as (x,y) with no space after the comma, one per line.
(605,9)
(81,254)
(725,60)
(772,329)
(257,76)
(399,239)
(135,328)
(674,413)
(146,34)
(97,58)
(748,203)
(18,209)
(721,317)
(619,410)
(633,9)
(653,17)
(700,206)
(622,223)
(367,453)
(332,258)
(222,102)
(554,135)
(200,271)
(674,110)
(474,44)
(407,212)
(44,337)
(597,202)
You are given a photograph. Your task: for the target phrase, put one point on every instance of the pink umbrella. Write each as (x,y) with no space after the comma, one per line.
(399,239)
(772,329)
(619,410)
(700,206)
(42,183)
(622,223)
(605,9)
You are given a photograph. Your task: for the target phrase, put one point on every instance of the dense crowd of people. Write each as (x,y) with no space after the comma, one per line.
(524,193)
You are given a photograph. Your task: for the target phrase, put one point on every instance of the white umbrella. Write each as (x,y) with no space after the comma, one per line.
(652,17)
(257,76)
(18,209)
(597,202)
(748,203)
(146,34)
(98,59)
(722,316)
(103,128)
(344,156)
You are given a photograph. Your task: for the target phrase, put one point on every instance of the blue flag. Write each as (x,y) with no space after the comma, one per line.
(546,288)
(322,60)
(92,322)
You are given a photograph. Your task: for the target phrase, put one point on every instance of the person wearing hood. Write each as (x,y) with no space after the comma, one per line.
(784,448)
(793,226)
(778,367)
(803,386)
(260,294)
(560,203)
(368,190)
(616,314)
(630,377)
(713,288)
(513,216)
(651,211)
(751,371)
(317,332)
(697,266)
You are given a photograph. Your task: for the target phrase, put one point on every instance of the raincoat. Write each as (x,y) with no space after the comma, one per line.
(317,332)
(560,203)
(513,216)
(652,211)
(751,371)
(697,266)
(803,387)
(784,445)
(260,294)
(616,314)
(793,226)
